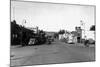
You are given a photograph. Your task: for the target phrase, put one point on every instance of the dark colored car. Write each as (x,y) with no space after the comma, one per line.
(49,39)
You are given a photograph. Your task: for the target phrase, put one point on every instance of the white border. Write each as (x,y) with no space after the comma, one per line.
(5,33)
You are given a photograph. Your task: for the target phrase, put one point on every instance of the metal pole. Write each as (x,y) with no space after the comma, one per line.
(84,31)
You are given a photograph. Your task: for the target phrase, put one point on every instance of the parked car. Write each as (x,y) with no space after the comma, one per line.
(70,41)
(32,41)
(37,40)
(91,41)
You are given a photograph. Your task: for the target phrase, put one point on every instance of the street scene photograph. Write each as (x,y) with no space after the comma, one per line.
(51,33)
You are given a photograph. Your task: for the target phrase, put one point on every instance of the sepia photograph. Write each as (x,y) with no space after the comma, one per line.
(44,33)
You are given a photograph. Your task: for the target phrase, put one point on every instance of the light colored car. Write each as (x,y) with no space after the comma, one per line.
(32,41)
(91,41)
(70,42)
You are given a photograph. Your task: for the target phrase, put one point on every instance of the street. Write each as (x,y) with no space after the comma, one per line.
(57,52)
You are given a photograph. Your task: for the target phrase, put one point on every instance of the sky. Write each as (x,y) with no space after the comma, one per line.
(51,16)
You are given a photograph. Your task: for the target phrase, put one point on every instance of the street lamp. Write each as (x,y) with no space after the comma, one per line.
(23,22)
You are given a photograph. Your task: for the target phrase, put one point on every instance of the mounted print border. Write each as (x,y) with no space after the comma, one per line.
(51,33)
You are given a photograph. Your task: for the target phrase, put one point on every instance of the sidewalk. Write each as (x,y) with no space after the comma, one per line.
(78,44)
(15,46)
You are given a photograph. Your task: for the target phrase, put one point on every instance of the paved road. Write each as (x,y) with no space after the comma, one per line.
(57,52)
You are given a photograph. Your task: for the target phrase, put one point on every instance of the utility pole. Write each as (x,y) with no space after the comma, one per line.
(83,25)
(24,21)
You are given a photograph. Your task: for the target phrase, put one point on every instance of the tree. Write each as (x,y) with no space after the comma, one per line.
(19,33)
(15,33)
(61,32)
(92,28)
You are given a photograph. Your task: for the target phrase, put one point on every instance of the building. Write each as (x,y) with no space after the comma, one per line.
(73,36)
(78,34)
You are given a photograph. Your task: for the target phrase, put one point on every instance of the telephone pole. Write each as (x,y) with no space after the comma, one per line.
(83,25)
